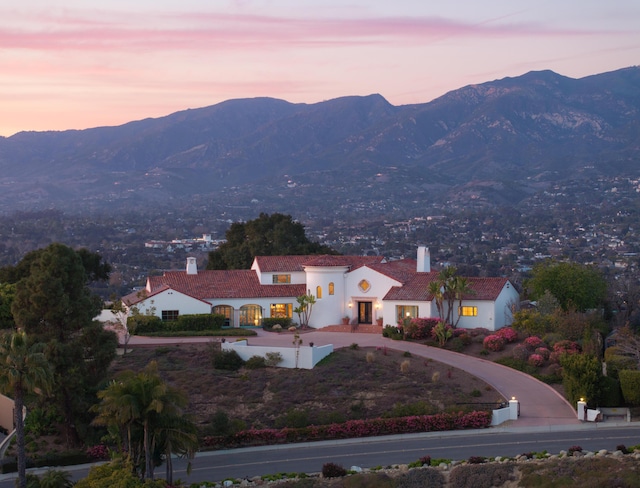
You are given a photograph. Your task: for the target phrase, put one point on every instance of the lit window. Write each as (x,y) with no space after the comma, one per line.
(250,315)
(406,312)
(281,310)
(331,288)
(468,311)
(281,278)
(318,292)
(170,315)
(364,285)
(227,311)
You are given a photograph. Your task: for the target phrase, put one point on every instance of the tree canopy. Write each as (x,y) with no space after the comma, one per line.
(573,285)
(51,302)
(268,235)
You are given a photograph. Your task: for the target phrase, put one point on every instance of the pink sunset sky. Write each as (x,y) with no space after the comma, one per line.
(74,64)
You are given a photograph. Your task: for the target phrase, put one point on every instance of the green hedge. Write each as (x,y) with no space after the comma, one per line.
(143,324)
(630,385)
(146,324)
(213,321)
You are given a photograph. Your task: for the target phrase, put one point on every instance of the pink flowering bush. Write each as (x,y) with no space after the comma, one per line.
(508,334)
(98,452)
(536,360)
(544,352)
(418,328)
(533,342)
(352,429)
(494,343)
(566,347)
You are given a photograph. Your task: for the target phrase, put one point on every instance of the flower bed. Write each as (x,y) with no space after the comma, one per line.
(352,429)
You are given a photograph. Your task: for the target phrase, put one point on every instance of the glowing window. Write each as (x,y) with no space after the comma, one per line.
(468,311)
(331,288)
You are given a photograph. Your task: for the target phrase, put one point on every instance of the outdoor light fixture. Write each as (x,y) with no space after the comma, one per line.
(350,304)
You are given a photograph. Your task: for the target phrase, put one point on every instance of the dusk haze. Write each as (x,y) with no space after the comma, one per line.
(74,64)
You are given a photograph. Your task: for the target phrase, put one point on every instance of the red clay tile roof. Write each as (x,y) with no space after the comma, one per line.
(239,283)
(401,270)
(271,264)
(353,262)
(417,288)
(140,295)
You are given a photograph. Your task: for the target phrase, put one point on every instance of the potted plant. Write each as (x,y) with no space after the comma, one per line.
(345,320)
(379,321)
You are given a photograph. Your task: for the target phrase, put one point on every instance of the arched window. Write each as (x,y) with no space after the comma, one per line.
(318,292)
(227,311)
(250,315)
(331,288)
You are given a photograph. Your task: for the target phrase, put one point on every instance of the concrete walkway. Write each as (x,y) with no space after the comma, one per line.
(540,405)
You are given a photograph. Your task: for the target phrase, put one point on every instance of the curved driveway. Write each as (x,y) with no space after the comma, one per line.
(540,405)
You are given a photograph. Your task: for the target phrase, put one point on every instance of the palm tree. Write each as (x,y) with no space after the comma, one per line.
(460,287)
(23,369)
(140,405)
(177,435)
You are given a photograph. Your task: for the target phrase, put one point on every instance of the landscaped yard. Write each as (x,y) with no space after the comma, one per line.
(349,384)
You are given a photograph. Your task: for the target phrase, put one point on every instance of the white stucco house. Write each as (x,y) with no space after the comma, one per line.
(363,288)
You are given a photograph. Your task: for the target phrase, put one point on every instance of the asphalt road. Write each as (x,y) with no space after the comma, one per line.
(388,450)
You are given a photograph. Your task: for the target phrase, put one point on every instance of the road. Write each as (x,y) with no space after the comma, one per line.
(388,450)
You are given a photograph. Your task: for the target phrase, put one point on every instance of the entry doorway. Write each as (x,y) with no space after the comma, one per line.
(365,315)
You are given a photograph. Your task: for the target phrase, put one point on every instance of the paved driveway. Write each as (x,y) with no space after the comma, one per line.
(540,405)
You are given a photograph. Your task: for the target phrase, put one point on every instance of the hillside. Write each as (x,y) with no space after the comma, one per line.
(500,141)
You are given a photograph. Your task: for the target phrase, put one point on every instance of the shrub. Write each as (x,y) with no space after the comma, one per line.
(493,343)
(630,385)
(392,332)
(143,324)
(536,360)
(272,359)
(544,352)
(566,347)
(255,362)
(333,470)
(404,366)
(456,344)
(420,478)
(227,360)
(508,334)
(521,352)
(573,449)
(484,475)
(198,322)
(611,394)
(98,452)
(269,323)
(477,459)
(354,346)
(370,357)
(419,328)
(435,377)
(533,342)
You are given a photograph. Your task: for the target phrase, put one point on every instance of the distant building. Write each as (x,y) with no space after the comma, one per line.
(362,288)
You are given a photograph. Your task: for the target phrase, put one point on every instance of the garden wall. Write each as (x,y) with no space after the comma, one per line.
(308,356)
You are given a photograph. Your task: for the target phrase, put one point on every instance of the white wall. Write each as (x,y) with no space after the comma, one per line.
(329,309)
(380,286)
(389,310)
(173,300)
(265,303)
(308,356)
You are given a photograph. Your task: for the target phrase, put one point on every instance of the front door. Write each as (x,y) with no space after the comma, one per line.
(364,312)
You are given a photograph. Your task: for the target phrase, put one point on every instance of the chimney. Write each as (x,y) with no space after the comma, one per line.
(424,260)
(192,266)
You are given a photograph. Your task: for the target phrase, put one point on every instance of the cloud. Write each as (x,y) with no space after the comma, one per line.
(108,31)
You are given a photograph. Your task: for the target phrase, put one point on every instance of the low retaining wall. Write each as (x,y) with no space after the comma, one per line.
(501,415)
(308,356)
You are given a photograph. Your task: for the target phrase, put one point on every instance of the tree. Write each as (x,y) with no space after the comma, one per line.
(23,369)
(150,414)
(54,305)
(628,344)
(268,235)
(304,309)
(573,285)
(7,292)
(582,378)
(447,289)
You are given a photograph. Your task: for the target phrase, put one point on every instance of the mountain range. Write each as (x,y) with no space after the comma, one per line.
(496,142)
